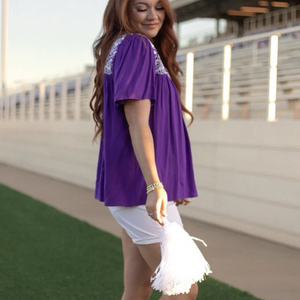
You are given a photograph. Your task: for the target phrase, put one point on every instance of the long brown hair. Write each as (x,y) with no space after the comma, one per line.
(115,23)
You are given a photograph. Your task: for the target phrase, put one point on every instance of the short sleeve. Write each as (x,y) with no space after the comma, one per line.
(134,70)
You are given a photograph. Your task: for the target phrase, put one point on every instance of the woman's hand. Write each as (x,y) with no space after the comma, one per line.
(184,201)
(156,204)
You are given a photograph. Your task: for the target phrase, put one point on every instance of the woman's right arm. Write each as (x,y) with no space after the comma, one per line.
(137,115)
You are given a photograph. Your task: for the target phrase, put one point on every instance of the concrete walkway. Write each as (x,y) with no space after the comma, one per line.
(264,269)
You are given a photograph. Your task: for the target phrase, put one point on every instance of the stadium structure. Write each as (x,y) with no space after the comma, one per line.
(245,74)
(243,86)
(250,25)
(243,17)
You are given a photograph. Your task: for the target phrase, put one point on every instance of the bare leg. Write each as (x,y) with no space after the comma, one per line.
(137,273)
(151,254)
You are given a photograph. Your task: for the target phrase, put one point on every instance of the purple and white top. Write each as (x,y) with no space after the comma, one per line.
(134,70)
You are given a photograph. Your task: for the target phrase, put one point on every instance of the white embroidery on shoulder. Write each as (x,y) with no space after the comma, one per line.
(159,66)
(109,61)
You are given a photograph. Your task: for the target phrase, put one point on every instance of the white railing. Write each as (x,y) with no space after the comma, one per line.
(57,99)
(254,77)
(244,83)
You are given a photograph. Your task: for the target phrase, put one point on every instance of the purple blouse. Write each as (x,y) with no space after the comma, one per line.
(134,70)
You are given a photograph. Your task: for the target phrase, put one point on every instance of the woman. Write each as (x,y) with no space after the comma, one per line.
(145,164)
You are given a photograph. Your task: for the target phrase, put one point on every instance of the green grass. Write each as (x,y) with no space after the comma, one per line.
(46,254)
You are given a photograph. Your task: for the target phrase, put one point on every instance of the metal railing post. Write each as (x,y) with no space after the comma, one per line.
(2,108)
(6,107)
(77,103)
(64,95)
(273,77)
(22,103)
(13,105)
(226,82)
(91,89)
(42,101)
(52,101)
(189,83)
(31,103)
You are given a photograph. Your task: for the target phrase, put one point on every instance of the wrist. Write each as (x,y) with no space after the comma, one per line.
(153,186)
(151,180)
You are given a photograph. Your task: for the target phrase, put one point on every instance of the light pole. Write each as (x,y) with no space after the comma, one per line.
(4,48)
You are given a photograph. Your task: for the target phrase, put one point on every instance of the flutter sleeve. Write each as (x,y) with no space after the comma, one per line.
(134,70)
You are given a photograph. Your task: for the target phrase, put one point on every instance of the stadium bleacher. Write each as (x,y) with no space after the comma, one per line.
(250,81)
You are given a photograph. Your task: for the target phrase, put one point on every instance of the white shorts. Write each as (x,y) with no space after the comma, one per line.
(142,229)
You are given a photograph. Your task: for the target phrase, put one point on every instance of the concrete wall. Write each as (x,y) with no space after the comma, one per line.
(247,172)
(248,176)
(62,149)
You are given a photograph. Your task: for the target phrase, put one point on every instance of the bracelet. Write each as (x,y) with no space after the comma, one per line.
(153,186)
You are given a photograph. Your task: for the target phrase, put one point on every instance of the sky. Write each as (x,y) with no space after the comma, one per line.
(53,38)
